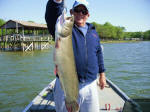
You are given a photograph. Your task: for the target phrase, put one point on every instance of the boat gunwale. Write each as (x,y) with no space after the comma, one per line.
(40,94)
(118,90)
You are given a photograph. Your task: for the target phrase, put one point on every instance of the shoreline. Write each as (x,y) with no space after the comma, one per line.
(119,41)
(114,41)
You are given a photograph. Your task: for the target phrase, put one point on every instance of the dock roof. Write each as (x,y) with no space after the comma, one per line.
(12,24)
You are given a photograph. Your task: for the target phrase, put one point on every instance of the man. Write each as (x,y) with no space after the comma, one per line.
(87,52)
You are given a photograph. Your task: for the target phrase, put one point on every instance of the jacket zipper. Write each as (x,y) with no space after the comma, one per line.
(86,54)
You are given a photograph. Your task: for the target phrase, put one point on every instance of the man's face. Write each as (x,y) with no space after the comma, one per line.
(81,14)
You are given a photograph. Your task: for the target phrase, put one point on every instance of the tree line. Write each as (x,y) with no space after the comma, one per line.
(106,31)
(109,32)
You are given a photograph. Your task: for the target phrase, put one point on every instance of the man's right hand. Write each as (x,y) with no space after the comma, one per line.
(58,0)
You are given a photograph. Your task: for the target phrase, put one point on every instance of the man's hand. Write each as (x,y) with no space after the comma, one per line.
(58,0)
(102,80)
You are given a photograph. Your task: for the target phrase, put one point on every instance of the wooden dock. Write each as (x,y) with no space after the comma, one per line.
(24,36)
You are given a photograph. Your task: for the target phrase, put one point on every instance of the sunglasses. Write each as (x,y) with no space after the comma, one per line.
(84,11)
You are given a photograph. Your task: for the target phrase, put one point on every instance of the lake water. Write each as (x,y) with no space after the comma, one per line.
(24,74)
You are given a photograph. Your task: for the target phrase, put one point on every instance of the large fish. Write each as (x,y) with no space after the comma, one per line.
(64,61)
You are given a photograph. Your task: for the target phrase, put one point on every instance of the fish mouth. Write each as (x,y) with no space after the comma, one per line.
(71,18)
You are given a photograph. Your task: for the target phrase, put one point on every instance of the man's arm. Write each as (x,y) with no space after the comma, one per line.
(102,78)
(54,9)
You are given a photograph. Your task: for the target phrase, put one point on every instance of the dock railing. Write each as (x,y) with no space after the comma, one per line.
(25,42)
(19,37)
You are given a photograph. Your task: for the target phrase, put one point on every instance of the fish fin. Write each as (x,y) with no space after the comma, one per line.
(59,74)
(57,45)
(56,70)
(72,106)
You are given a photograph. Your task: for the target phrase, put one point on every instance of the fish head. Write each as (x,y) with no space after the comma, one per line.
(67,26)
(64,26)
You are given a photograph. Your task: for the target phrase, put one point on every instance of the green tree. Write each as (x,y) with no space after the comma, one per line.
(108,31)
(120,32)
(127,35)
(146,35)
(1,23)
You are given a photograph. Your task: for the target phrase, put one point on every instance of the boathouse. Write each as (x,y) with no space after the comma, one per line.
(23,35)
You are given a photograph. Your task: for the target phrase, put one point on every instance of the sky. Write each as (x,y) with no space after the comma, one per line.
(134,15)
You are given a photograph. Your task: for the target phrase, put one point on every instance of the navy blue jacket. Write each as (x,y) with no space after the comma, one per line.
(87,50)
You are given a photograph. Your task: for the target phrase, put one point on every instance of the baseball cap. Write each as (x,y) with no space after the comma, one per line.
(79,2)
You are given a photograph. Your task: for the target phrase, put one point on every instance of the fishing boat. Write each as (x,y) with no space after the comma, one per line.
(111,98)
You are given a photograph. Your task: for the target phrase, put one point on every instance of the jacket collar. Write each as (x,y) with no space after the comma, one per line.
(90,26)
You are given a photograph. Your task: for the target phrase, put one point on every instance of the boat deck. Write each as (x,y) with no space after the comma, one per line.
(109,100)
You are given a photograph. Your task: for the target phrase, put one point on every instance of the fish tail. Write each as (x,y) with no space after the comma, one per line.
(72,106)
